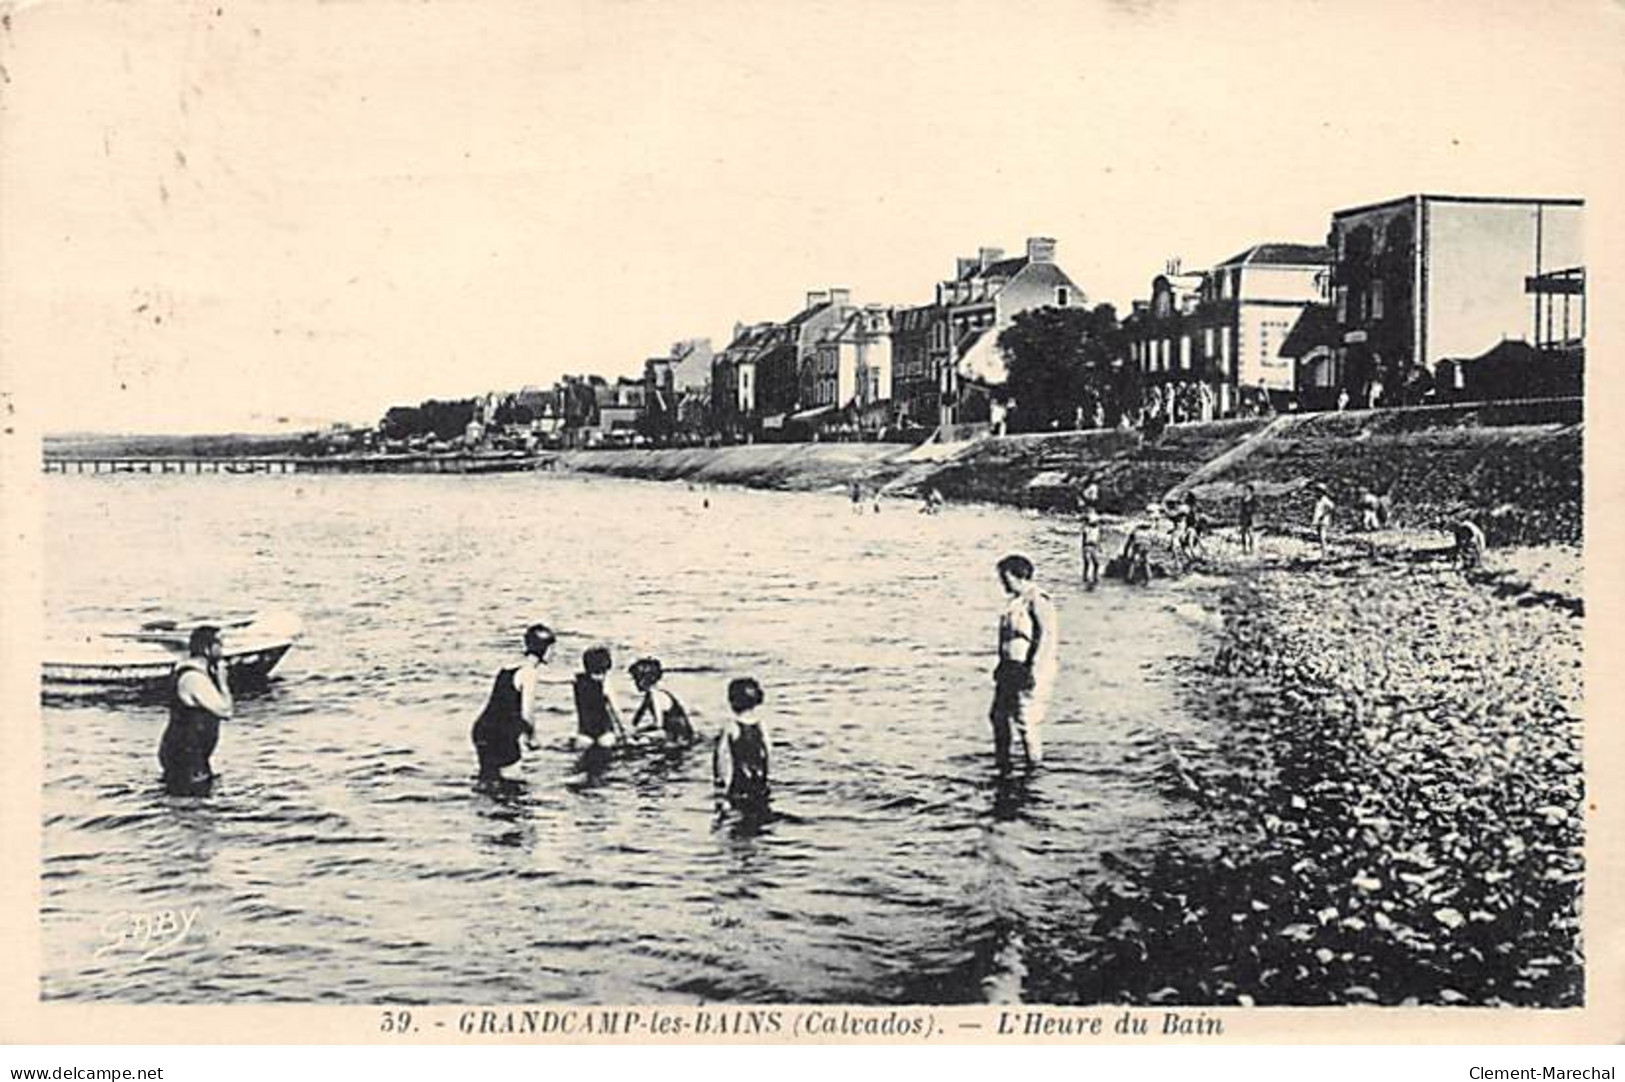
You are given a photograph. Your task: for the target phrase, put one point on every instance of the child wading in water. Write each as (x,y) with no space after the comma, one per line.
(660,712)
(1091,548)
(739,761)
(598,723)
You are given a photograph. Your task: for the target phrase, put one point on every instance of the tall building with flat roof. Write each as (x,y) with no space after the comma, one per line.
(1427,278)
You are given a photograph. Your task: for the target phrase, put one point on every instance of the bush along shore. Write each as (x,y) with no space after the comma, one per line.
(1389,810)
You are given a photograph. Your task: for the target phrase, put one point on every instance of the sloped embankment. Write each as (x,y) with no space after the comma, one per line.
(1046,471)
(1517,470)
(803,467)
(1521,482)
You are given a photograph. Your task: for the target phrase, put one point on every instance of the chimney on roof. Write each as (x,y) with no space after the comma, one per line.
(963,266)
(986,257)
(1040,249)
(839,298)
(815,297)
(1173,266)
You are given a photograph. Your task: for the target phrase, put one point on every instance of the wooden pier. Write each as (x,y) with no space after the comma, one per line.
(158,464)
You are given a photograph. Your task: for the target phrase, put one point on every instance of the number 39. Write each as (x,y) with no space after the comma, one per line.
(395,1022)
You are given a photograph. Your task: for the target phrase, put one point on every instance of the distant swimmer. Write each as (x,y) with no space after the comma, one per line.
(1028,662)
(659,712)
(511,710)
(199,699)
(598,723)
(739,761)
(857,498)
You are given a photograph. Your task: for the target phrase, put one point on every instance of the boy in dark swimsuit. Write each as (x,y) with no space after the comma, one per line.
(659,711)
(740,758)
(598,723)
(199,699)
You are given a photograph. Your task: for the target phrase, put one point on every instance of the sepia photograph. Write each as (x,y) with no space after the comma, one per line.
(835,521)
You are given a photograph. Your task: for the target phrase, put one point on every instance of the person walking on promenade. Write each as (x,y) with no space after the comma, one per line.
(1321,520)
(1024,678)
(660,712)
(857,498)
(1246,514)
(199,700)
(510,711)
(598,723)
(739,759)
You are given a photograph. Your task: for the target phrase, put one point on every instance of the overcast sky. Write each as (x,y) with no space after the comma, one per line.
(216,216)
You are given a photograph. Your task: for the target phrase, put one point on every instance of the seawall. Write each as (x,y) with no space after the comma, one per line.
(1515,468)
(799,467)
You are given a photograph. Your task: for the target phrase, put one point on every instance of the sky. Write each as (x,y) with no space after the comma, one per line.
(244,217)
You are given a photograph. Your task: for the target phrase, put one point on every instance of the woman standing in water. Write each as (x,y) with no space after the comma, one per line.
(1024,678)
(199,699)
(510,713)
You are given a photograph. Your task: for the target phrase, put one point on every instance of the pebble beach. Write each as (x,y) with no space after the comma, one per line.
(1394,811)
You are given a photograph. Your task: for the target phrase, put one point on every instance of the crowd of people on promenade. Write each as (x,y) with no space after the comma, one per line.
(1024,674)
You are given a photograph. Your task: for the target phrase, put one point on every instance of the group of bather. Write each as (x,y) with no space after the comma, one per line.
(739,754)
(199,693)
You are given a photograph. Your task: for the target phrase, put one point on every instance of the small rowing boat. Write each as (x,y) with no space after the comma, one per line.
(141,658)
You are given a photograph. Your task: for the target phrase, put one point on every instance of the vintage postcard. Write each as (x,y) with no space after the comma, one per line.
(844,522)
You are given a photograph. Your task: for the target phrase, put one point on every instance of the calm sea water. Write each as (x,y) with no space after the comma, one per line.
(346,856)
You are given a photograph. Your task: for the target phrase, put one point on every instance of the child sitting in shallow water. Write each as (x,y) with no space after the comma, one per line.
(739,760)
(659,712)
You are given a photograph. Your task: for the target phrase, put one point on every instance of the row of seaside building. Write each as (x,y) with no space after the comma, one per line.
(1394,308)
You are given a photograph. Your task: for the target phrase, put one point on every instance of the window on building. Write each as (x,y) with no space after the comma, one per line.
(1063,296)
(1207,341)
(1185,351)
(1342,304)
(1224,347)
(1376,299)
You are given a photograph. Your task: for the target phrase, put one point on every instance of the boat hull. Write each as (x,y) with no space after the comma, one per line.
(246,670)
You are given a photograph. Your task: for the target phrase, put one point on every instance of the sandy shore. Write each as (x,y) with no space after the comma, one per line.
(1394,810)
